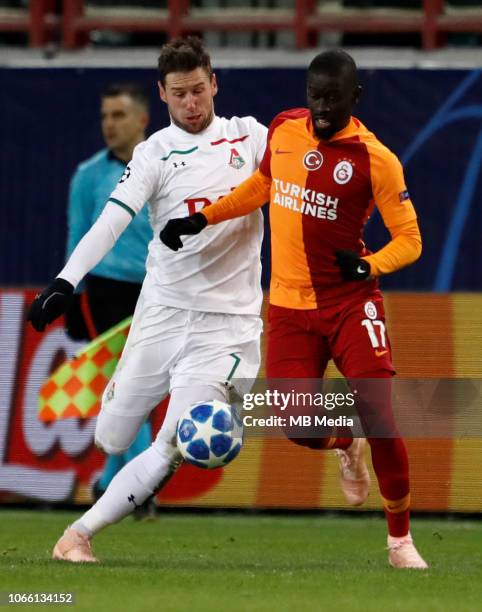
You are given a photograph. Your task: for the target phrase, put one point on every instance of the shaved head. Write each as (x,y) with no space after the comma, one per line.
(335,63)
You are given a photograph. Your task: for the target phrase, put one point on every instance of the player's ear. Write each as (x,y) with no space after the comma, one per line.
(214,84)
(162,92)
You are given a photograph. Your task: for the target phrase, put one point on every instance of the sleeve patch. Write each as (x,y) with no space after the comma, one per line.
(403,195)
(125,175)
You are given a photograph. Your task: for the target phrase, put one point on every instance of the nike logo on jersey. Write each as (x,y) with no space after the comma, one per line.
(280,151)
(380,353)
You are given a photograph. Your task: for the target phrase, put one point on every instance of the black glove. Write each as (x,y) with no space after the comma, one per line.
(75,325)
(352,266)
(174,228)
(50,304)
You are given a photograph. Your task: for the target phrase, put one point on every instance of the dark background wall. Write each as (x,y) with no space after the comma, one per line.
(49,122)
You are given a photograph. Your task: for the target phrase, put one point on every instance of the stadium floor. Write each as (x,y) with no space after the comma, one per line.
(250,563)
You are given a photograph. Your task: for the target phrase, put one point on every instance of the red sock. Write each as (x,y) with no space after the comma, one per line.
(390,462)
(323,443)
(389,453)
(342,440)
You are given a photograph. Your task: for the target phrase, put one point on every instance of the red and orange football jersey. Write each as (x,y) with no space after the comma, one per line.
(321,194)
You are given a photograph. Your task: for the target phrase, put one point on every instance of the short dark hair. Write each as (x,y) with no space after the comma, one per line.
(134,91)
(183,55)
(333,62)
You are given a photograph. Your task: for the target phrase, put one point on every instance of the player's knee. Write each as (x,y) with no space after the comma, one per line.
(107,446)
(111,436)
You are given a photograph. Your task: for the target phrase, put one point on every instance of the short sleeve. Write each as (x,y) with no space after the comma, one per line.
(141,179)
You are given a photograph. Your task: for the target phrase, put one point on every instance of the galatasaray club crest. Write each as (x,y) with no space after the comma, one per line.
(343,172)
(236,161)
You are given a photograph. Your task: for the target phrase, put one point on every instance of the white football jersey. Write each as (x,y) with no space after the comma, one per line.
(178,174)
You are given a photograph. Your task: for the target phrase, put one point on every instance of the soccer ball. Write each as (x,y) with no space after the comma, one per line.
(209,434)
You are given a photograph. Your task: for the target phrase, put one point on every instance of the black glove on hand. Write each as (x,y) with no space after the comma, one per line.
(50,304)
(352,266)
(174,228)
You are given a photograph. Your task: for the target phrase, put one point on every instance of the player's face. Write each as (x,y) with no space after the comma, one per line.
(189,98)
(331,100)
(123,123)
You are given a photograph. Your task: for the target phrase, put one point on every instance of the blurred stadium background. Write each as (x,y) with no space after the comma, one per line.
(420,65)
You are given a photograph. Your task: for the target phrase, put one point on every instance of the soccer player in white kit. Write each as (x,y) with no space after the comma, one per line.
(196,325)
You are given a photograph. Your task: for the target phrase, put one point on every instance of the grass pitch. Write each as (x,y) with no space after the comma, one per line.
(245,563)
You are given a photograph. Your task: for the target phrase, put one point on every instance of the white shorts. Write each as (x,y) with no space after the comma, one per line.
(168,348)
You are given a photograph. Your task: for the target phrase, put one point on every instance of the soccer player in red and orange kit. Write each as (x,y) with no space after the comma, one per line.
(323,172)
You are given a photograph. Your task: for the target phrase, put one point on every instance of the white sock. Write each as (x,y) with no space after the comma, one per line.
(150,470)
(130,487)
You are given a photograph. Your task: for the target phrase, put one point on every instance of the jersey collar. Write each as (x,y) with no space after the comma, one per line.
(350,130)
